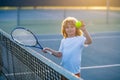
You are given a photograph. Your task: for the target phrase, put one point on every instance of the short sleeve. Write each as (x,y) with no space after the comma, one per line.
(83,41)
(61,45)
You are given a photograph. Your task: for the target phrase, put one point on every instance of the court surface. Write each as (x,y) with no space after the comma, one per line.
(100,60)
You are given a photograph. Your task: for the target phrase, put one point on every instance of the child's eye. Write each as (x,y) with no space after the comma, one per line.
(66,27)
(72,26)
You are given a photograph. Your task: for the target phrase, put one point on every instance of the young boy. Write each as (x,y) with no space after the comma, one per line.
(71,45)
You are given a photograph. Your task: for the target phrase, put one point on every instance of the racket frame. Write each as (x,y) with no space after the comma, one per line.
(37,43)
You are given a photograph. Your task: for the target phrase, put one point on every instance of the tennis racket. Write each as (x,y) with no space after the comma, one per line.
(26,38)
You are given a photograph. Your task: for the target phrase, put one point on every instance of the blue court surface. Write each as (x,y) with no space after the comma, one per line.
(100,60)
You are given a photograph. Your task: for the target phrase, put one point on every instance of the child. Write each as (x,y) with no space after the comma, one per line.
(71,45)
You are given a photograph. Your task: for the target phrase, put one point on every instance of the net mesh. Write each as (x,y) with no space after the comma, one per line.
(21,63)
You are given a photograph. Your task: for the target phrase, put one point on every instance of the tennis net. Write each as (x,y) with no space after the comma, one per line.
(23,63)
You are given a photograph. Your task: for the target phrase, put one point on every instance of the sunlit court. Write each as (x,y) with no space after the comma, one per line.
(26,61)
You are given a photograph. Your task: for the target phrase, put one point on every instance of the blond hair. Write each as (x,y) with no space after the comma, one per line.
(71,21)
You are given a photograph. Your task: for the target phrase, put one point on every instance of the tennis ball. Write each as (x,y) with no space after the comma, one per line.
(78,24)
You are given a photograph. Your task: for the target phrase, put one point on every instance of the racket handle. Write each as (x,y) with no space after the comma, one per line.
(49,52)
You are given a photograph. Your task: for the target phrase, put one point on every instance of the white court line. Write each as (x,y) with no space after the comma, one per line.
(94,37)
(101,37)
(102,66)
(49,39)
(90,67)
(22,73)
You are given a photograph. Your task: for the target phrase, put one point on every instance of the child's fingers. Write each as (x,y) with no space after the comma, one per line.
(83,23)
(45,50)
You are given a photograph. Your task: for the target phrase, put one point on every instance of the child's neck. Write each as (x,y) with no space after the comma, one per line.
(69,36)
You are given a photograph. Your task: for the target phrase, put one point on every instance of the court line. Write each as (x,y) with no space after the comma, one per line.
(101,37)
(83,68)
(24,73)
(20,73)
(94,37)
(102,66)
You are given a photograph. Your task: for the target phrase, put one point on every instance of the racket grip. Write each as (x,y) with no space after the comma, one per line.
(49,52)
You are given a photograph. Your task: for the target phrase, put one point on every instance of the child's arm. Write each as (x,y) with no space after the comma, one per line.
(55,53)
(86,34)
(88,37)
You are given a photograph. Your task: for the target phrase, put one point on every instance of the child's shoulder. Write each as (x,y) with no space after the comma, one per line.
(63,39)
(80,36)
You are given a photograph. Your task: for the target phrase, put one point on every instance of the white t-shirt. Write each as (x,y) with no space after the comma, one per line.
(71,49)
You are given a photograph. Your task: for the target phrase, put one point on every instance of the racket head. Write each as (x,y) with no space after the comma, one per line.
(25,37)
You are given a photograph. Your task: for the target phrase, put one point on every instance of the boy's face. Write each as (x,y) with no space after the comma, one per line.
(70,30)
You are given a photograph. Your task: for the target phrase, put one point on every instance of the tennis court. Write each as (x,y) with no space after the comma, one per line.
(100,61)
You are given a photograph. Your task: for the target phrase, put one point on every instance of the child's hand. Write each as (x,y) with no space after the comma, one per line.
(46,49)
(52,52)
(83,28)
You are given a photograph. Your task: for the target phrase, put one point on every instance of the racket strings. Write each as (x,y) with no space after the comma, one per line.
(24,37)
